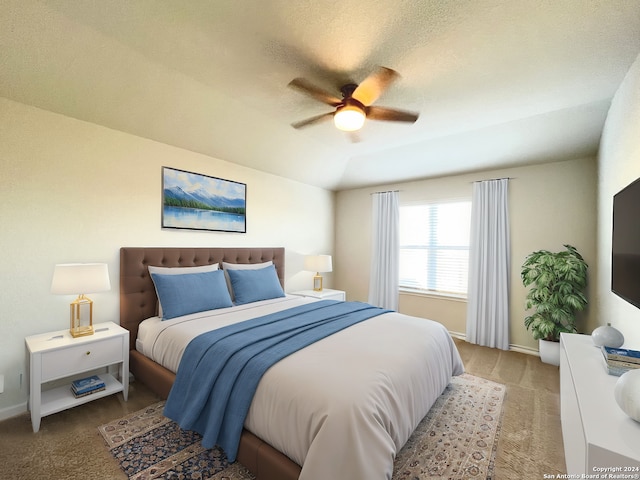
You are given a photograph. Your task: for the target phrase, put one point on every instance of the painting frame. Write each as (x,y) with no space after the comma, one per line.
(195,201)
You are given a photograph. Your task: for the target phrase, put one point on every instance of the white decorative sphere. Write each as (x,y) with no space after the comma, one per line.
(627,393)
(607,336)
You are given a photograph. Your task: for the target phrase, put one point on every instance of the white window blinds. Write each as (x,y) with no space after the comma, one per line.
(434,247)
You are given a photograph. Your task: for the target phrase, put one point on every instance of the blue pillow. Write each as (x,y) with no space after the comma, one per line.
(253,285)
(190,293)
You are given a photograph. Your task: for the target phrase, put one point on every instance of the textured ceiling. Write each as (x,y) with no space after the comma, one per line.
(496,83)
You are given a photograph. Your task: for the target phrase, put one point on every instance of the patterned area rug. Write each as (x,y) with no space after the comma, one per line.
(456,440)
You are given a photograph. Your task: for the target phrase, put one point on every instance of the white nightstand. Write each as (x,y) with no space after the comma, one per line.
(324,294)
(57,355)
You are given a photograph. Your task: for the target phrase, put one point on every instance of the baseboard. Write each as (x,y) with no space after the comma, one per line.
(522,349)
(512,347)
(459,335)
(13,410)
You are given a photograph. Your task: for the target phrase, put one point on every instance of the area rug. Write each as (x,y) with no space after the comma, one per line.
(456,440)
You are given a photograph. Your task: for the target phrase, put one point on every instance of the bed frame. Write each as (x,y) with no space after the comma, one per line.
(138,301)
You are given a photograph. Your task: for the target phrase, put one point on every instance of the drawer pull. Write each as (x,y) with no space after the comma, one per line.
(88,353)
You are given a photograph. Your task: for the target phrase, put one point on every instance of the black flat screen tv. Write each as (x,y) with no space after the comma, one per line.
(625,252)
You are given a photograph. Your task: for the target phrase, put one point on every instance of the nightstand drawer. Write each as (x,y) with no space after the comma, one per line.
(59,363)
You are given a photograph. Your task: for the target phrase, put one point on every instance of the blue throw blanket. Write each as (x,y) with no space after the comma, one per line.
(220,370)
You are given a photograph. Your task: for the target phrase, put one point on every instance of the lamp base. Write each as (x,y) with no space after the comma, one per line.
(317,283)
(81,331)
(81,318)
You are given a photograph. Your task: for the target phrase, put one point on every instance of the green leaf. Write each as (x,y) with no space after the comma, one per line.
(556,281)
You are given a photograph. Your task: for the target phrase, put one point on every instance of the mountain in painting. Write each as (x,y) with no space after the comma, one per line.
(200,198)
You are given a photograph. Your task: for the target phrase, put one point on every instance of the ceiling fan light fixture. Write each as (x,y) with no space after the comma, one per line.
(349,118)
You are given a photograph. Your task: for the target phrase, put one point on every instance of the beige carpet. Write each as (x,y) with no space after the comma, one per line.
(456,440)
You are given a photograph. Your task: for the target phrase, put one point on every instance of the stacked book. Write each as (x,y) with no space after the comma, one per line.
(87,386)
(620,360)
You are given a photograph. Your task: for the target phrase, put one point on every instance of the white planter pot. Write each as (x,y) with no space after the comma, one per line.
(549,352)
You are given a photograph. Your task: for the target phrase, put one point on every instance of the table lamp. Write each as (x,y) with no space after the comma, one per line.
(318,264)
(80,279)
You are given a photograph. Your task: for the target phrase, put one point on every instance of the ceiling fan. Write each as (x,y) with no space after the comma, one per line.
(356,103)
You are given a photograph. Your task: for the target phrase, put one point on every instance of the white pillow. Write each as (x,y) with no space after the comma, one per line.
(183,270)
(245,266)
(179,271)
(241,266)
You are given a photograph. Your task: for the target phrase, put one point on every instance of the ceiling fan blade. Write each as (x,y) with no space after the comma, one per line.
(390,115)
(313,120)
(372,87)
(319,94)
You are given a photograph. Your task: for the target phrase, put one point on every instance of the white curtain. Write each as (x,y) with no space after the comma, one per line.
(489,264)
(384,279)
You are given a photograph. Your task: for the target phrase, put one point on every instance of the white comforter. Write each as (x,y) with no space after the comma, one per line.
(342,407)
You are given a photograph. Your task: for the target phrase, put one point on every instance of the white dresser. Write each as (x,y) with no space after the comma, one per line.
(598,436)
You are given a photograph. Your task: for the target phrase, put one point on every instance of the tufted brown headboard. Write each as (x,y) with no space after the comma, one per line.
(138,301)
(137,294)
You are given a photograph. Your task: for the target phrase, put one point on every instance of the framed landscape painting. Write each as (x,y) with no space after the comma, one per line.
(199,202)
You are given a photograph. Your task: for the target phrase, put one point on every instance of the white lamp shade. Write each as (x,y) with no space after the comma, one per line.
(349,118)
(318,263)
(80,278)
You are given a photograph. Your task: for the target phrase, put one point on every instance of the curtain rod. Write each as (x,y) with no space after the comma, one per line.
(489,179)
(386,191)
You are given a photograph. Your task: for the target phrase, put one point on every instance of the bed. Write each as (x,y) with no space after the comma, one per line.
(311,446)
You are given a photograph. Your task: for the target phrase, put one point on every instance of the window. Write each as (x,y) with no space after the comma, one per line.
(434,247)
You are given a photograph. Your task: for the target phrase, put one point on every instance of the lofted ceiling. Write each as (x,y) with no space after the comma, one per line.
(496,83)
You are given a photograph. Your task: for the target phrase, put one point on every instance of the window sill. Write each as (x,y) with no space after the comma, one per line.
(435,295)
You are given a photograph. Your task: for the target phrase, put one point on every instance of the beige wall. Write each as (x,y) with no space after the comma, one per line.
(550,205)
(618,166)
(451,312)
(76,192)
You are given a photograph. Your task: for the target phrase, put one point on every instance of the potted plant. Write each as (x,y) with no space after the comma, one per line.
(557,283)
